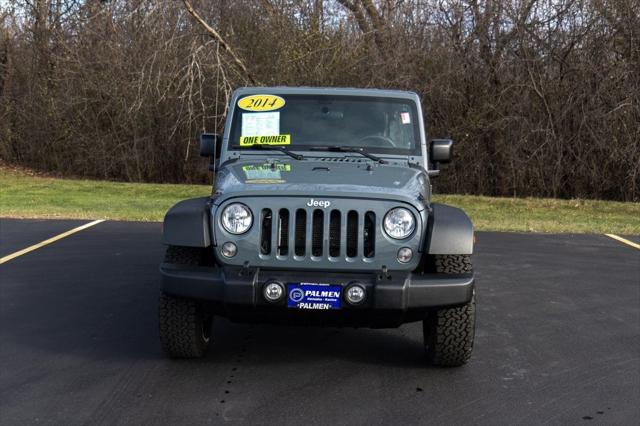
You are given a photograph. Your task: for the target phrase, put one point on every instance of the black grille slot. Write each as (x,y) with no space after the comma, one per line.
(301,232)
(317,231)
(352,234)
(265,232)
(283,232)
(369,235)
(334,233)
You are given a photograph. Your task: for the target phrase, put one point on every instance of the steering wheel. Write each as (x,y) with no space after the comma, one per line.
(382,141)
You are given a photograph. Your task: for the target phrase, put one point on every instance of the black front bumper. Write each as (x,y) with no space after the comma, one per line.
(236,290)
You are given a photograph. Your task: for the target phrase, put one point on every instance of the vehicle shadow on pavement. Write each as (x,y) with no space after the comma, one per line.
(278,344)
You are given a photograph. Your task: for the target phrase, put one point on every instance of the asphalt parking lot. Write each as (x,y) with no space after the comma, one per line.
(558,342)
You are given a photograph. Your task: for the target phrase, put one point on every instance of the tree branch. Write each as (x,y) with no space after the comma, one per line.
(357,14)
(217,37)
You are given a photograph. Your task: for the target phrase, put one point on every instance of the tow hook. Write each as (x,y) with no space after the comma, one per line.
(384,273)
(245,269)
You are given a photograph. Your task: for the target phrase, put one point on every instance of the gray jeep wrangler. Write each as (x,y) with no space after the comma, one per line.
(320,213)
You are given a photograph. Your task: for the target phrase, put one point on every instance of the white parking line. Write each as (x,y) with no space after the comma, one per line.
(49,241)
(624,240)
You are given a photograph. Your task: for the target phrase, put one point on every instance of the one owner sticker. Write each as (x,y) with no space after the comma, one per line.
(265,140)
(261,103)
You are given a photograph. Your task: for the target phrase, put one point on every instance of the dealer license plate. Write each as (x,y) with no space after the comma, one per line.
(314,296)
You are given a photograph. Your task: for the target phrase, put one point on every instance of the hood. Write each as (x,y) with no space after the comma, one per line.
(322,177)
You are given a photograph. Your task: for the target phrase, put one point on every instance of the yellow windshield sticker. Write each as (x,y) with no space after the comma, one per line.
(265,140)
(264,181)
(277,166)
(261,103)
(265,171)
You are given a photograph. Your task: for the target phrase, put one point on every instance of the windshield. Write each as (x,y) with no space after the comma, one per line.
(304,122)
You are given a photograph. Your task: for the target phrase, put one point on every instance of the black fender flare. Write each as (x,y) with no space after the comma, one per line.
(187,224)
(450,231)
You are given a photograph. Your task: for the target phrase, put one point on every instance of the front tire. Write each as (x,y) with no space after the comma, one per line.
(449,332)
(185,324)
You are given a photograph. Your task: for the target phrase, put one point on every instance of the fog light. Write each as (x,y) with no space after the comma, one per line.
(405,254)
(229,249)
(273,291)
(355,294)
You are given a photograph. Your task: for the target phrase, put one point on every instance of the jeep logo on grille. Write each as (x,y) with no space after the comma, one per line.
(319,203)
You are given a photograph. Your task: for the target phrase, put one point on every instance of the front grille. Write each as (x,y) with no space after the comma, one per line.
(317,233)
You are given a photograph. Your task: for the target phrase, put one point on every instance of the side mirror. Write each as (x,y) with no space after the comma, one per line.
(441,151)
(210,145)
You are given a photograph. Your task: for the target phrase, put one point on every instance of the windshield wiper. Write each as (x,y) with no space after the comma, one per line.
(271,148)
(354,149)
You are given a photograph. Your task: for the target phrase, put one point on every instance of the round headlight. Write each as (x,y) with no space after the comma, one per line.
(236,218)
(399,223)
